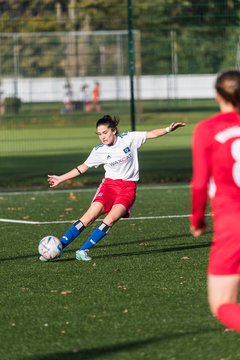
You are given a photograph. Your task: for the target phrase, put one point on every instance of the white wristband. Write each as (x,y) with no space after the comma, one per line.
(168,129)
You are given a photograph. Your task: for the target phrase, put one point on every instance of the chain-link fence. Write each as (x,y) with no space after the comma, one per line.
(48,67)
(49,79)
(45,67)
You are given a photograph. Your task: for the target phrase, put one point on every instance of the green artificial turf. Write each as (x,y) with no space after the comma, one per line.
(143,296)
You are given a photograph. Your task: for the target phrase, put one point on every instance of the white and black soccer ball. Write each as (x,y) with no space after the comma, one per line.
(50,247)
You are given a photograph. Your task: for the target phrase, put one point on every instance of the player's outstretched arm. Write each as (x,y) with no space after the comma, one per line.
(54,180)
(160,132)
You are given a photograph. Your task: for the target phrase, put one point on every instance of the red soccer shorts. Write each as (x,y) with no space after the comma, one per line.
(224,256)
(112,192)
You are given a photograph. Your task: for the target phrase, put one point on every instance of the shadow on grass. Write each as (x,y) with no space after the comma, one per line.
(156,251)
(35,255)
(113,350)
(133,253)
(116,244)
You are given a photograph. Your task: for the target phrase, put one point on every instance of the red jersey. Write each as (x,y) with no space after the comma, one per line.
(216,172)
(216,169)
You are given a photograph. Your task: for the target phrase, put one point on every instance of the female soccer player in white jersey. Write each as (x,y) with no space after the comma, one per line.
(216,171)
(118,153)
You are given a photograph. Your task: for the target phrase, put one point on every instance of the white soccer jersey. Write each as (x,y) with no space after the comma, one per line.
(120,160)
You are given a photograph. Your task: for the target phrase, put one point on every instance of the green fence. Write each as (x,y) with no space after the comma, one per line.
(49,52)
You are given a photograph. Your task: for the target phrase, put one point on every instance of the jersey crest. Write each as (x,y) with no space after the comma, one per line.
(126,150)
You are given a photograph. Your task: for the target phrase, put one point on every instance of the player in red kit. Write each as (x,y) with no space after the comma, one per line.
(216,173)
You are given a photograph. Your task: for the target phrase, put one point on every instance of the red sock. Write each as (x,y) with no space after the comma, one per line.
(229,315)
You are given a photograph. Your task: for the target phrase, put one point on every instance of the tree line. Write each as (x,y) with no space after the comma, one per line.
(176,36)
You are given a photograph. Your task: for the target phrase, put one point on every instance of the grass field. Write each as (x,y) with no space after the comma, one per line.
(143,296)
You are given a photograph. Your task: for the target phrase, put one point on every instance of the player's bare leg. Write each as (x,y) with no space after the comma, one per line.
(114,215)
(118,211)
(78,226)
(222,297)
(94,211)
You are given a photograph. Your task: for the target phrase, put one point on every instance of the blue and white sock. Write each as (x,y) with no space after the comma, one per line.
(96,236)
(72,233)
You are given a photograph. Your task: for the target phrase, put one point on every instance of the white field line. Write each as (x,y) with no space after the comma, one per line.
(60,191)
(27,222)
(55,192)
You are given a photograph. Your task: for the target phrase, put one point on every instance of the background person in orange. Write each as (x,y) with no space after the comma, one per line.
(95,97)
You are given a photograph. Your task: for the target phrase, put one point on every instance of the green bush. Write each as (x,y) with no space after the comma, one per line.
(12,105)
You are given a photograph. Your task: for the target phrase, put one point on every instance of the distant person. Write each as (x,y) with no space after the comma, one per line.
(118,153)
(68,97)
(96,97)
(216,171)
(86,98)
(2,109)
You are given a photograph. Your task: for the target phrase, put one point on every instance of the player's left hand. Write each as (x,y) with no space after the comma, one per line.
(174,126)
(197,232)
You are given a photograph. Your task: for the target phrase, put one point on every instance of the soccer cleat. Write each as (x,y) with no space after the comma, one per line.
(82,255)
(42,258)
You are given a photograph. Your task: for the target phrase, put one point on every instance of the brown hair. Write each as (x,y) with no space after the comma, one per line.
(228,86)
(111,121)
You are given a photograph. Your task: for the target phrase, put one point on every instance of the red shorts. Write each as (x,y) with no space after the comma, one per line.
(112,192)
(224,256)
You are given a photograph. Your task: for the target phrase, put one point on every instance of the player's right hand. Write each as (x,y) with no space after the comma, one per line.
(53,180)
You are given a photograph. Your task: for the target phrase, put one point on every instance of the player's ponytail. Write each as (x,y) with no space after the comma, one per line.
(228,86)
(111,121)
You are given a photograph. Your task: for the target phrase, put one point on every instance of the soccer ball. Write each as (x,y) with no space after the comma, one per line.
(50,247)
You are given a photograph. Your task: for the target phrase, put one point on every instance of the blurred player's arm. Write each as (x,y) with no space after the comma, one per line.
(55,180)
(200,181)
(163,131)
